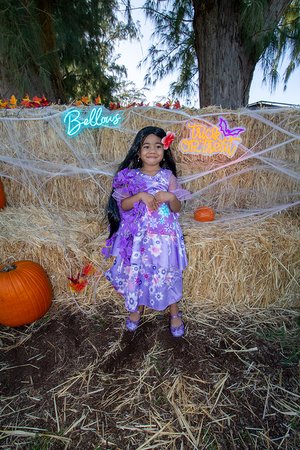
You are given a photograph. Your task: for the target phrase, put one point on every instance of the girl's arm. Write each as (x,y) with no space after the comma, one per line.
(148,199)
(169,197)
(174,195)
(175,204)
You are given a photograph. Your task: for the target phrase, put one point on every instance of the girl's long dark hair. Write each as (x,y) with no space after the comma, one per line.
(132,161)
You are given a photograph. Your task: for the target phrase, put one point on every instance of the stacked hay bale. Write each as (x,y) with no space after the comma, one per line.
(57,188)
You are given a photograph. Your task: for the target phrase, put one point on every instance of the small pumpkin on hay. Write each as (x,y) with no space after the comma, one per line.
(25,293)
(204,214)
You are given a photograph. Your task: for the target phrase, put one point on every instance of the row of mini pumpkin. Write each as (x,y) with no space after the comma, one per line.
(25,289)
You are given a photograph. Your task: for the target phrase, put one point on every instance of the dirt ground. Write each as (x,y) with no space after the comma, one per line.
(80,381)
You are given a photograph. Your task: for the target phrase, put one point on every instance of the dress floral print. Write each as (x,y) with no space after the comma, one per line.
(148,248)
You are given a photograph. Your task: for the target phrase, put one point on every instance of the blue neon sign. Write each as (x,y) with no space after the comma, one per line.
(76,120)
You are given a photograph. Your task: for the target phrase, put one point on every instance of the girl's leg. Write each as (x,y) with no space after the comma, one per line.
(133,320)
(134,316)
(175,321)
(177,327)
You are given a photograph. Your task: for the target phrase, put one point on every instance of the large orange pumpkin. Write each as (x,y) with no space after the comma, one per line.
(204,214)
(25,293)
(2,196)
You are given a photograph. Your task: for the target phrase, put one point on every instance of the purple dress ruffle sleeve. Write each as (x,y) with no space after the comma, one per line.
(148,248)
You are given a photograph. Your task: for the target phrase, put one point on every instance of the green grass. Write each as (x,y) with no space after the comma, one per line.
(289,339)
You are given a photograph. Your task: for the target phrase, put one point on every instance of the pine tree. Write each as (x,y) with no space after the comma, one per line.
(216,45)
(62,49)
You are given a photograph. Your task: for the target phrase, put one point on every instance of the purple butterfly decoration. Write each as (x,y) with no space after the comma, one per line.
(223,125)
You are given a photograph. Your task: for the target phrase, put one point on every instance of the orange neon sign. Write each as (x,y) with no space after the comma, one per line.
(208,140)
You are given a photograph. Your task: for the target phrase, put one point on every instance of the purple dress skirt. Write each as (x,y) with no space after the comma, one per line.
(148,248)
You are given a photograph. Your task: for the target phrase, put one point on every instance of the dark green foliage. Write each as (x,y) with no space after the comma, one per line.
(284,41)
(64,47)
(86,41)
(21,52)
(175,50)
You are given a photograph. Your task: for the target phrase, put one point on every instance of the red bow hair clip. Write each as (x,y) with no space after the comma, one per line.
(168,139)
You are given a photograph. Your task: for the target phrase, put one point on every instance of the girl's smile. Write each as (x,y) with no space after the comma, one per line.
(151,152)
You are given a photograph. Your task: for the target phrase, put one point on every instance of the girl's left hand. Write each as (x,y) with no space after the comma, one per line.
(164,197)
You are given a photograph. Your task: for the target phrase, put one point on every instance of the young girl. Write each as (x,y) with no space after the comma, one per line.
(145,236)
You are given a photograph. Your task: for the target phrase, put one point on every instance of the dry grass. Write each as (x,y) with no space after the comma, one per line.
(223,386)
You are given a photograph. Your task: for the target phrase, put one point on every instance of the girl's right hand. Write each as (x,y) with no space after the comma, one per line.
(149,200)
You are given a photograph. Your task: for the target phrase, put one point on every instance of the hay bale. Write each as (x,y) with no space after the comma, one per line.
(240,186)
(78,192)
(114,144)
(268,129)
(60,241)
(57,189)
(42,166)
(260,133)
(43,139)
(253,263)
(226,188)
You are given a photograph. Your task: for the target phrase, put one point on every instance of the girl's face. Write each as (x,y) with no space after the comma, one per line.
(152,151)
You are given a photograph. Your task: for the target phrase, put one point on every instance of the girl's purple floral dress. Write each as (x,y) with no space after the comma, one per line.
(149,246)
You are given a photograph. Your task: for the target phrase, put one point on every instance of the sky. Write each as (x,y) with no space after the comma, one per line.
(131,53)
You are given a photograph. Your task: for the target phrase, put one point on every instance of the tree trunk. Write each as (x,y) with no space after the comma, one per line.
(226,62)
(49,47)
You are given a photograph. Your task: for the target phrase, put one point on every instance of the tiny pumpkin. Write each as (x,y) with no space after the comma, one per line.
(204,214)
(25,293)
(2,196)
